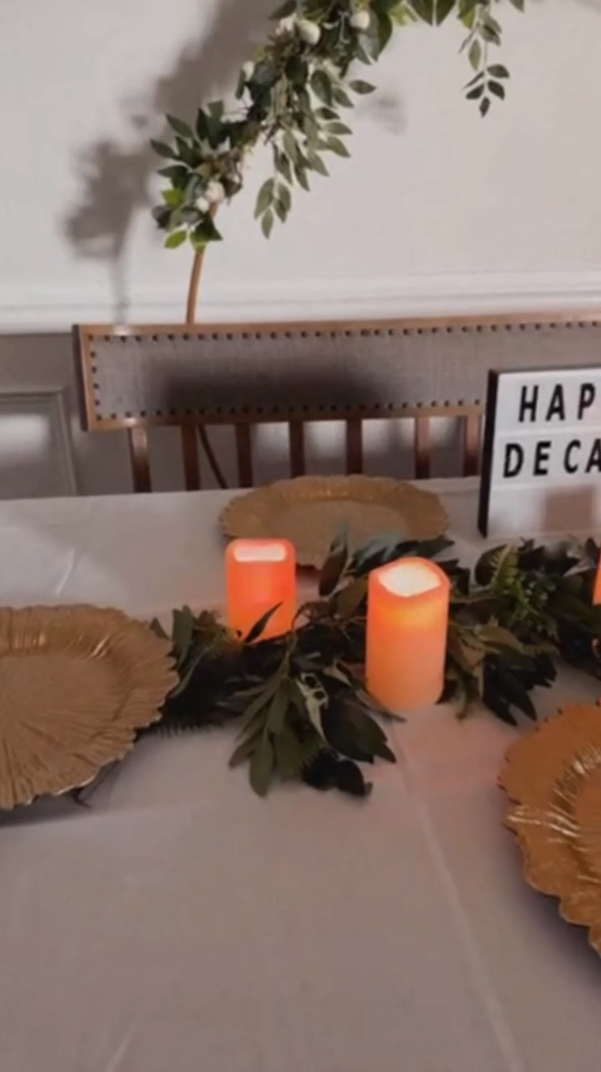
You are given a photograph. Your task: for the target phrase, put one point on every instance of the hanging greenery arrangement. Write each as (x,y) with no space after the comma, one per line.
(294,96)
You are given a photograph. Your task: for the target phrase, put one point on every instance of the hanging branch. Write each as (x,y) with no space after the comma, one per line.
(191,306)
(292,98)
(194,286)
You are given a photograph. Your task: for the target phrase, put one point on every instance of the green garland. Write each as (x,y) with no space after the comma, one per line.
(291,97)
(299,702)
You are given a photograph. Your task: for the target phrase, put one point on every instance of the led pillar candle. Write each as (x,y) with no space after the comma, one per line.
(597,589)
(407,618)
(259,575)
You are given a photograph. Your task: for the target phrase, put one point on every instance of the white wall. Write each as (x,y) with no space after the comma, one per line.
(435,202)
(438,210)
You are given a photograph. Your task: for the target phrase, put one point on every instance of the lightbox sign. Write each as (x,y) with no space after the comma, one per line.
(541,470)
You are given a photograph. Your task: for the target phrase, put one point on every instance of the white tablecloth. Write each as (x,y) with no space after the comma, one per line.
(183,925)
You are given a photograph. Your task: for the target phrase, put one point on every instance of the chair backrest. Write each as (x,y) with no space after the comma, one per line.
(250,374)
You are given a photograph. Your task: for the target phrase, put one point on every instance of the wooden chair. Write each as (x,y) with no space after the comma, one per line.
(252,374)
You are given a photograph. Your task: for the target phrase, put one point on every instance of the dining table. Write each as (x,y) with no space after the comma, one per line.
(179,923)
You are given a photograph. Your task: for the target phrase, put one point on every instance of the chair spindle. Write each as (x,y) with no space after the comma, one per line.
(190,457)
(296,443)
(422,447)
(354,445)
(140,463)
(472,436)
(244,455)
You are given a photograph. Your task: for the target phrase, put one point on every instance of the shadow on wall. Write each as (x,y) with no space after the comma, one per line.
(115,179)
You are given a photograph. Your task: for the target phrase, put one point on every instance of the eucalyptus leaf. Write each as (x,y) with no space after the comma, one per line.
(202,127)
(163,149)
(328,771)
(335,145)
(493,634)
(258,705)
(162,215)
(182,630)
(187,153)
(276,712)
(361,87)
(267,223)
(321,84)
(335,563)
(293,755)
(291,146)
(205,232)
(350,598)
(316,163)
(259,627)
(341,98)
(336,673)
(284,166)
(443,10)
(341,735)
(327,113)
(265,197)
(174,197)
(300,175)
(385,27)
(369,703)
(475,54)
(284,197)
(245,749)
(177,238)
(322,772)
(338,128)
(349,779)
(425,10)
(180,127)
(288,754)
(262,767)
(178,175)
(187,673)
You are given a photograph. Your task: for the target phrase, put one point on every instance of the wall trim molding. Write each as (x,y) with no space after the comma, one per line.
(33,309)
(53,402)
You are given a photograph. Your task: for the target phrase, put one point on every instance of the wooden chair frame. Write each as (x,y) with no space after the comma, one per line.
(243,418)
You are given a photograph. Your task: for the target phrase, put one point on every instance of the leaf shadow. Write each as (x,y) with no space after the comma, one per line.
(115,175)
(387,109)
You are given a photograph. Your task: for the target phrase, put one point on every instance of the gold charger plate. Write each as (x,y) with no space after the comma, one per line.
(76,684)
(554,777)
(309,511)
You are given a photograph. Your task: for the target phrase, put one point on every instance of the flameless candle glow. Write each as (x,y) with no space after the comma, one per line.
(407,618)
(259,575)
(597,590)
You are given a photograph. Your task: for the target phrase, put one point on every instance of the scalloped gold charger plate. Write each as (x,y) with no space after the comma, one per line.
(76,684)
(309,511)
(554,777)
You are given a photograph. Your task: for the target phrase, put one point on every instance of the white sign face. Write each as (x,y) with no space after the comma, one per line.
(542,453)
